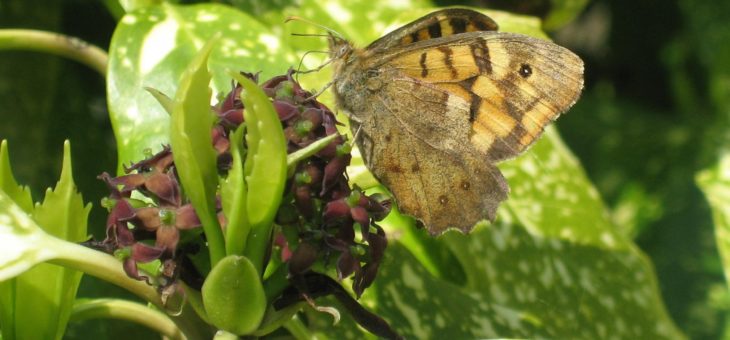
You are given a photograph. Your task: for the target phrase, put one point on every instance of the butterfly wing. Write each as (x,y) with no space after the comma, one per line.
(443,23)
(441,189)
(434,114)
(508,87)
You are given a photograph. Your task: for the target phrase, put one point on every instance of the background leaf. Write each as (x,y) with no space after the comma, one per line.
(715,183)
(653,113)
(152,46)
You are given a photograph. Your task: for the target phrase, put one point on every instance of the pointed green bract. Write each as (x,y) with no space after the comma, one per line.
(165,101)
(195,158)
(18,193)
(265,167)
(233,197)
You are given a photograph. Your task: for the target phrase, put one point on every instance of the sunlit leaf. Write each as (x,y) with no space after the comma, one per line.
(195,158)
(152,46)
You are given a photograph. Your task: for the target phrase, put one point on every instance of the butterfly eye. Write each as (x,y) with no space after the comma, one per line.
(525,70)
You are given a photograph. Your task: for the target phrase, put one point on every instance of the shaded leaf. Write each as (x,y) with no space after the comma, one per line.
(715,183)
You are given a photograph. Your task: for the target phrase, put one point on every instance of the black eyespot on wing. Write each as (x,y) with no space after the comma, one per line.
(525,70)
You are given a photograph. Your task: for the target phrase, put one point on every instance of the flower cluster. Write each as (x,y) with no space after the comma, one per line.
(321,217)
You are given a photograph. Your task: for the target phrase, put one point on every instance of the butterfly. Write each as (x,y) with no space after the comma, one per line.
(437,102)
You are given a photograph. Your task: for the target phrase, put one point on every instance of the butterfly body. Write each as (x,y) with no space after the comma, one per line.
(437,102)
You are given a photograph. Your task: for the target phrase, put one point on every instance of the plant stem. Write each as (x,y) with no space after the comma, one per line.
(126,310)
(259,240)
(103,266)
(54,43)
(298,329)
(276,283)
(108,268)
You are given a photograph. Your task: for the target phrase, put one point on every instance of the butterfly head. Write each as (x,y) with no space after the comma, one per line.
(340,49)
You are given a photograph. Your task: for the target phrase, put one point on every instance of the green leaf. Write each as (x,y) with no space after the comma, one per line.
(152,46)
(265,168)
(195,158)
(233,197)
(530,286)
(715,183)
(165,101)
(233,296)
(562,12)
(21,251)
(42,297)
(19,194)
(553,265)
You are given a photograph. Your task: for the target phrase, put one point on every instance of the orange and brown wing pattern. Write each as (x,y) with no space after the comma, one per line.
(514,85)
(438,24)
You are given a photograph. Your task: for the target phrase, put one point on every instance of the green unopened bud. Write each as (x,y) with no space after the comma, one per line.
(303,178)
(167,217)
(285,90)
(303,127)
(354,198)
(343,149)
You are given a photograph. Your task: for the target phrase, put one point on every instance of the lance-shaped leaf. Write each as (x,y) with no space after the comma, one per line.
(233,196)
(19,194)
(265,167)
(195,158)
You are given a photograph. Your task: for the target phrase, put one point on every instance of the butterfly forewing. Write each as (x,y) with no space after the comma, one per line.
(514,85)
(438,24)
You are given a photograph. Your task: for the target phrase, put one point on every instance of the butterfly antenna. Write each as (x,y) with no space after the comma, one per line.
(331,31)
(309,35)
(318,93)
(301,63)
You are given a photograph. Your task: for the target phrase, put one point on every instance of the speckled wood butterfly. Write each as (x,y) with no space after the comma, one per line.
(437,102)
